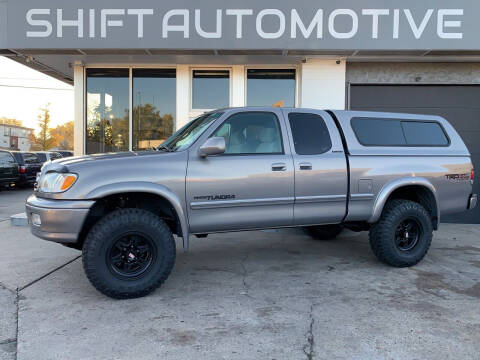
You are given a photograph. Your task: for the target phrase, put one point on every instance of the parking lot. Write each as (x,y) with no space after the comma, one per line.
(248,295)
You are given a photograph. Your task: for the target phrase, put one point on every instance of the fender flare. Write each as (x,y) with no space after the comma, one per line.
(390,187)
(147,187)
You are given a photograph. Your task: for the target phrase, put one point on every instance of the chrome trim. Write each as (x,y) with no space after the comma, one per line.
(236,203)
(321,198)
(361,197)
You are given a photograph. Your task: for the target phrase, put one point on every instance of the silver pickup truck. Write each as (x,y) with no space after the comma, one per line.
(234,169)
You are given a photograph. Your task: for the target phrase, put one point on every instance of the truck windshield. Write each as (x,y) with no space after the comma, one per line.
(184,137)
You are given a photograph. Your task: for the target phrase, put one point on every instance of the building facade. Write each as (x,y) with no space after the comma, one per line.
(142,72)
(14,137)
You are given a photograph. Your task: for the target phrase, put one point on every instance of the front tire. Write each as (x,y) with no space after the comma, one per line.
(402,236)
(128,253)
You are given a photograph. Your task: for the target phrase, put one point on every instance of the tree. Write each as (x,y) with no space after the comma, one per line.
(44,140)
(7,121)
(63,135)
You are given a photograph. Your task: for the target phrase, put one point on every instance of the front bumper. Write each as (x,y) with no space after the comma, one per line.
(61,220)
(472,202)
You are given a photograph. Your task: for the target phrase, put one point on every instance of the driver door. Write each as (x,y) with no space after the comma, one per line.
(251,185)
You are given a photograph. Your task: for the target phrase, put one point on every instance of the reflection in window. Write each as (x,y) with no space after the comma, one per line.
(107,110)
(211,89)
(154,106)
(275,87)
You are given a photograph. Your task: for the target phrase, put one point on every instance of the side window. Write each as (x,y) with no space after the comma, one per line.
(30,158)
(42,157)
(3,158)
(378,132)
(8,159)
(424,133)
(251,133)
(310,134)
(398,132)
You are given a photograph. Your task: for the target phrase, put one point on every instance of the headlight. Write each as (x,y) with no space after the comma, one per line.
(54,182)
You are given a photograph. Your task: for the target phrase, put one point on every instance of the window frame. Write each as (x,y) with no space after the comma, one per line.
(252,154)
(132,98)
(293,139)
(130,68)
(274,67)
(400,120)
(230,86)
(85,101)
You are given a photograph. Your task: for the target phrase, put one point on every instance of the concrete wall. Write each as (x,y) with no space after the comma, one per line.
(413,73)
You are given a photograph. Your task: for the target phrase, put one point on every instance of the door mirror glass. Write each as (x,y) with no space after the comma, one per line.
(213,146)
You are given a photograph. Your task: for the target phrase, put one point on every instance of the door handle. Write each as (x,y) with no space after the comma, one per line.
(305,166)
(279,167)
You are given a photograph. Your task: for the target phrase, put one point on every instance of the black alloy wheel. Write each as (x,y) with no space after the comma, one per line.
(407,234)
(131,255)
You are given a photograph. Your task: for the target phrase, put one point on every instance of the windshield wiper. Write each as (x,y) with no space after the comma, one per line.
(164,148)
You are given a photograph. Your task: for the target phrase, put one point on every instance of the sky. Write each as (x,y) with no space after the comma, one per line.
(21,99)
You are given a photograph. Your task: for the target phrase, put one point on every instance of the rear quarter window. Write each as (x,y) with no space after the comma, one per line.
(424,133)
(54,156)
(42,157)
(30,158)
(398,132)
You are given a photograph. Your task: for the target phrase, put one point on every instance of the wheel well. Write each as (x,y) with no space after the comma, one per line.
(420,194)
(140,200)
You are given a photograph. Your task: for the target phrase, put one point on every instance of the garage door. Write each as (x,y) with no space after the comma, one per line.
(459,104)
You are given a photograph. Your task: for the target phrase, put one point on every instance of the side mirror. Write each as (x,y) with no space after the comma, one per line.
(213,146)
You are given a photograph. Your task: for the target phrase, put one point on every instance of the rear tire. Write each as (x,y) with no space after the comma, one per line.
(325,232)
(128,253)
(403,235)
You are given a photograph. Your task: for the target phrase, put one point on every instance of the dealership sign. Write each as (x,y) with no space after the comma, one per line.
(245,24)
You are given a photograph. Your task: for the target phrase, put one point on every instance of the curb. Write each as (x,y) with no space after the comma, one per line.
(19,220)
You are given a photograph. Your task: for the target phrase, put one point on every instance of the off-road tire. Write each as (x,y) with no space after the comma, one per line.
(382,234)
(105,233)
(325,232)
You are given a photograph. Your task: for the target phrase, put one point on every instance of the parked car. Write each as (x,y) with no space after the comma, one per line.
(64,153)
(45,156)
(28,166)
(8,169)
(394,175)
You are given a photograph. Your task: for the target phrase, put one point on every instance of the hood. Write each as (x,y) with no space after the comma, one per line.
(96,173)
(63,165)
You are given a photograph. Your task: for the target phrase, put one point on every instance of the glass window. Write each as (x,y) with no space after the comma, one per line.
(184,137)
(424,133)
(211,89)
(251,133)
(42,157)
(4,157)
(154,106)
(310,134)
(30,158)
(379,132)
(275,87)
(107,110)
(55,155)
(397,132)
(7,158)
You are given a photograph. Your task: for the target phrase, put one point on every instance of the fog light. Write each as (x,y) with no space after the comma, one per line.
(36,220)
